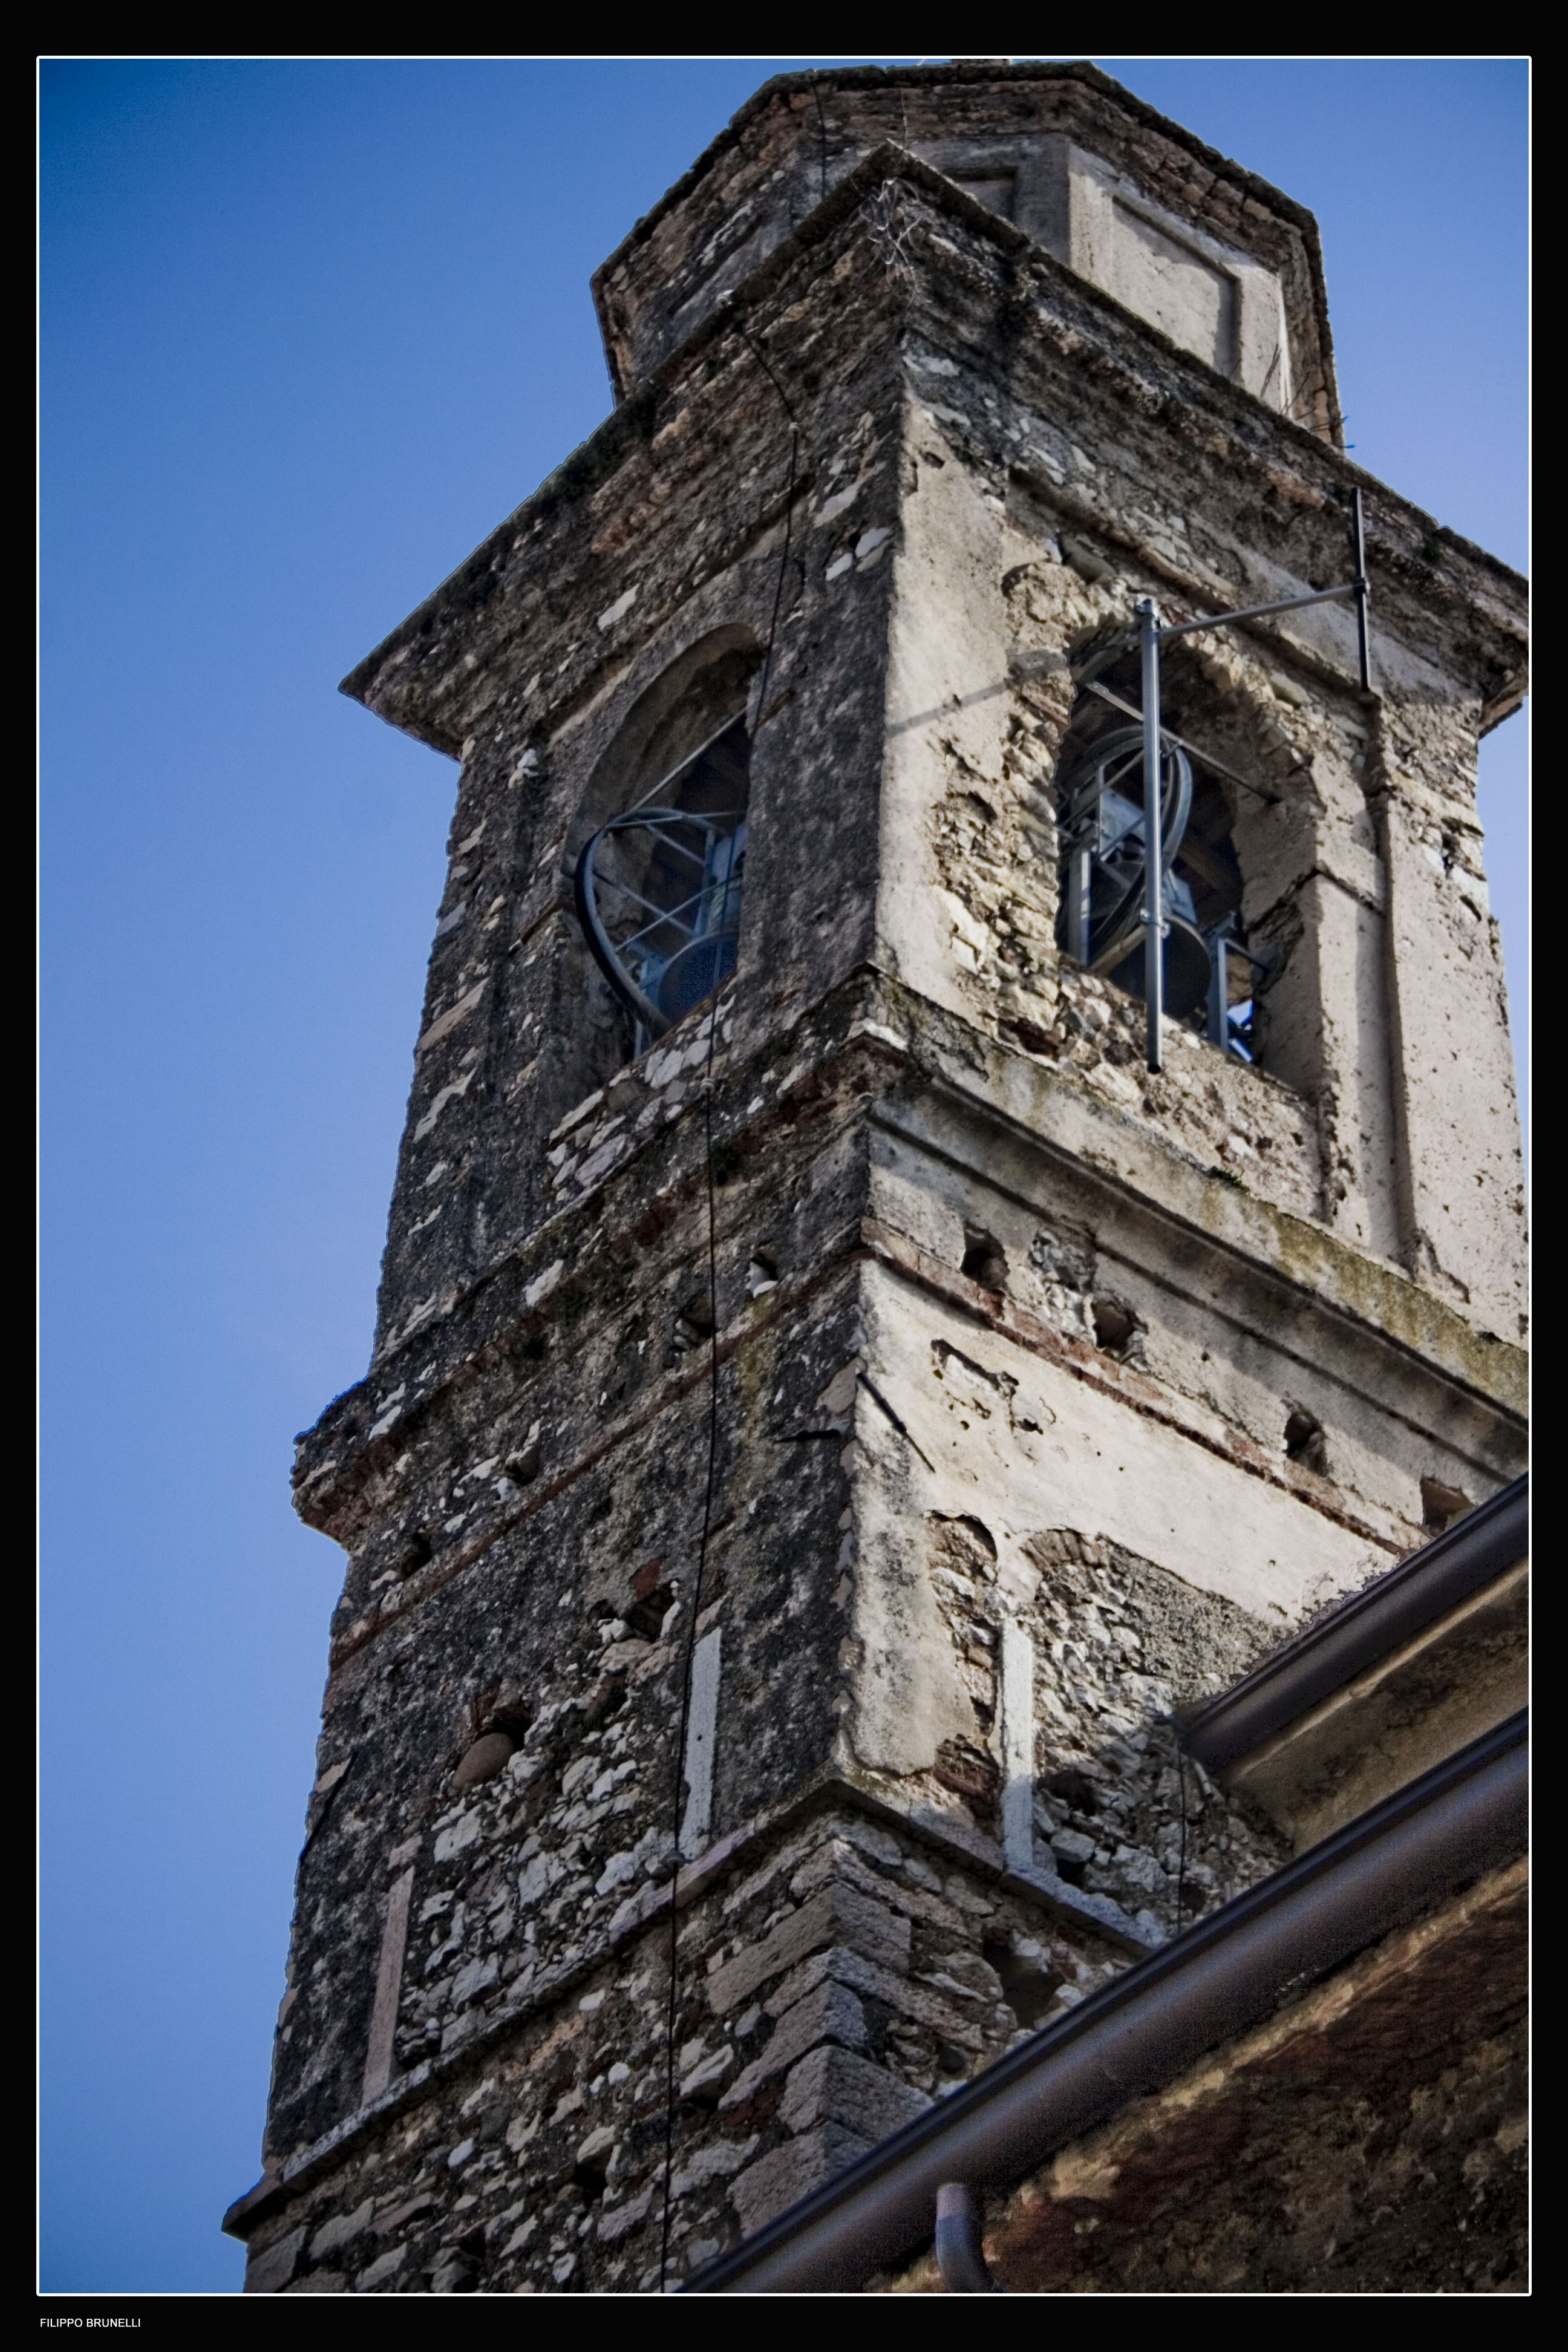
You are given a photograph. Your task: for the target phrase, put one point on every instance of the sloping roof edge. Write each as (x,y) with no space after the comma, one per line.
(479,575)
(1364,1629)
(1140,2031)
(974,71)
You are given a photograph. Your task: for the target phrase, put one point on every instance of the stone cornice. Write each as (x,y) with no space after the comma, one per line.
(830,1786)
(407,675)
(974,75)
(889,1050)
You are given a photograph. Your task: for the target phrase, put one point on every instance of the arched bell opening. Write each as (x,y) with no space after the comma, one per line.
(1212,975)
(658,889)
(657,854)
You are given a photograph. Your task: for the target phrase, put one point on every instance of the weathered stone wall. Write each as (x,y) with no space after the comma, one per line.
(1016,548)
(977,495)
(523,1536)
(1370,2138)
(835,1974)
(1101,1281)
(1063,136)
(1045,1397)
(519,1028)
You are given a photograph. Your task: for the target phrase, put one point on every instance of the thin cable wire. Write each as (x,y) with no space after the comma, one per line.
(1204,759)
(1182,1851)
(672,2024)
(760,358)
(673,2016)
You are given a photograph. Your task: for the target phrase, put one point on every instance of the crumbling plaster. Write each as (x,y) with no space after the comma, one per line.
(823,1571)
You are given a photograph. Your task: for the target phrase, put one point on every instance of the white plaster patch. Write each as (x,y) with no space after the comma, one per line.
(1017,1746)
(447,1021)
(702,1723)
(1090,1464)
(837,505)
(622,605)
(454,1093)
(543,1284)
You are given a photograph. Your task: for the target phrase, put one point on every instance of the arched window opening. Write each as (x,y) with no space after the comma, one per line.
(658,887)
(1212,973)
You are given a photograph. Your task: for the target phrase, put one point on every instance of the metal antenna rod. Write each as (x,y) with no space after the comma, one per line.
(1154,879)
(1150,636)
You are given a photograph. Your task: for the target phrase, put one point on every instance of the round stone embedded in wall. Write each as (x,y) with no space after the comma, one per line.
(484,1760)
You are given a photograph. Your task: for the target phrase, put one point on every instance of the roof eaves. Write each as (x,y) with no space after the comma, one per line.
(1368,1626)
(474,580)
(1445,1830)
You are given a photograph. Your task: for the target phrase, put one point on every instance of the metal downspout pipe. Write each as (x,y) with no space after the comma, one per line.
(960,2256)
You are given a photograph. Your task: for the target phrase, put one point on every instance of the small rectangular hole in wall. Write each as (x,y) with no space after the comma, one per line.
(415,1553)
(652,1596)
(693,1323)
(1114,1326)
(1441,1504)
(984,1260)
(1304,1439)
(1029,1979)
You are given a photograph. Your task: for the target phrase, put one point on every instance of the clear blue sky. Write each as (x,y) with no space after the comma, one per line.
(311,331)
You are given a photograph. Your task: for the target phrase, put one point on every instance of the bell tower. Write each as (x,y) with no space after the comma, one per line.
(835,1404)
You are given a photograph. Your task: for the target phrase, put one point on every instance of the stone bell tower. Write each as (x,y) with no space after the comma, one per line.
(833,1406)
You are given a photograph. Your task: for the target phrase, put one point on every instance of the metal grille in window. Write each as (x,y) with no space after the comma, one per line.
(1210,973)
(658,889)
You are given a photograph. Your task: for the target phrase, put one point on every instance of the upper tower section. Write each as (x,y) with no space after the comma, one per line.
(1225,264)
(812,663)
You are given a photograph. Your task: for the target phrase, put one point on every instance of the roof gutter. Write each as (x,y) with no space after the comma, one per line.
(1365,1629)
(1465,1817)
